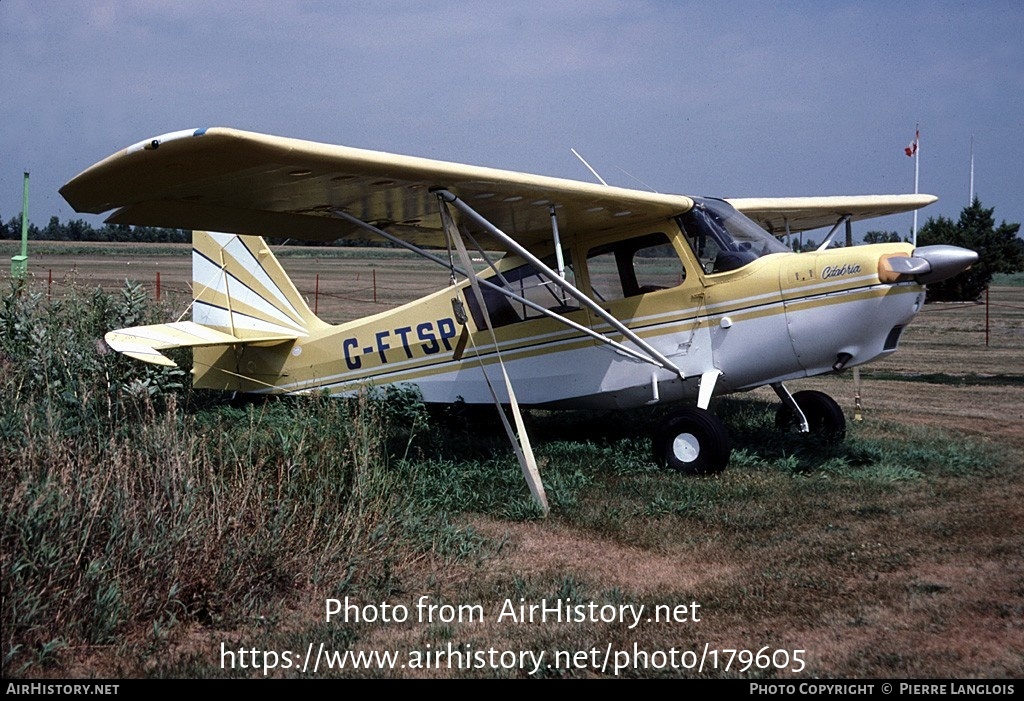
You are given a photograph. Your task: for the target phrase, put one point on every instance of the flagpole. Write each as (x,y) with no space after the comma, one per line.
(972,172)
(917,173)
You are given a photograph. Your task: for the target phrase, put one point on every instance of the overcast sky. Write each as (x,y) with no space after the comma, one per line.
(726,99)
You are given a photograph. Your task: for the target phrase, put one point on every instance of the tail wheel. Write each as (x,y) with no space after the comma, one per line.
(825,417)
(692,441)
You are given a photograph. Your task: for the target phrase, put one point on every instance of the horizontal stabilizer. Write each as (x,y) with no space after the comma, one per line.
(145,342)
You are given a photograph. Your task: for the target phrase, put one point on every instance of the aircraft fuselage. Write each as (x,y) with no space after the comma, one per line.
(780,317)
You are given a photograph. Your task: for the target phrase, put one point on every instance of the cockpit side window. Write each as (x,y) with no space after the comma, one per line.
(633,267)
(525,282)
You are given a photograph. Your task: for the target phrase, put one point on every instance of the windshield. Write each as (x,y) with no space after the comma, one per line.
(722,238)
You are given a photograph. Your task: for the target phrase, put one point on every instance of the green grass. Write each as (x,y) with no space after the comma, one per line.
(52,248)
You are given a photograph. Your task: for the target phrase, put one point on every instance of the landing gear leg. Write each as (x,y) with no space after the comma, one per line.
(795,413)
(810,412)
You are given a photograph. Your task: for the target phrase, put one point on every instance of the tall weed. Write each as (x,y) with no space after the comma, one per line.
(130,506)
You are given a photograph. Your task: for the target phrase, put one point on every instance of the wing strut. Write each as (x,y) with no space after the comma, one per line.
(559,258)
(832,232)
(519,438)
(656,356)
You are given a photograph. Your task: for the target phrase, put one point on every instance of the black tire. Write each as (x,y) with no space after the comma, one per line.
(825,417)
(692,441)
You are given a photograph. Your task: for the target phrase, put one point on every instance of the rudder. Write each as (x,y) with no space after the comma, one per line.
(240,288)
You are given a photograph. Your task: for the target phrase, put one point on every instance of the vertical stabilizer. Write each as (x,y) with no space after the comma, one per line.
(241,289)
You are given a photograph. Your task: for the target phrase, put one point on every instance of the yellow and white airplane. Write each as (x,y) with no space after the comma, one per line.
(605,297)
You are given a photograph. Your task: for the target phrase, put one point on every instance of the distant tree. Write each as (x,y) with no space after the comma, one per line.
(14,229)
(1000,250)
(119,233)
(79,230)
(54,231)
(882,237)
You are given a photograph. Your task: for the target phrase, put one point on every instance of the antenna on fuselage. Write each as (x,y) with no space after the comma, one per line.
(584,162)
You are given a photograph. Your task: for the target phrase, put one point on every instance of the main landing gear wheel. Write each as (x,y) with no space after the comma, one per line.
(825,417)
(692,441)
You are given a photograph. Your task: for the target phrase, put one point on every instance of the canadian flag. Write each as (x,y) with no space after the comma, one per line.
(911,150)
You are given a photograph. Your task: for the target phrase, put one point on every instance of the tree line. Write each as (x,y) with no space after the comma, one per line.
(80,230)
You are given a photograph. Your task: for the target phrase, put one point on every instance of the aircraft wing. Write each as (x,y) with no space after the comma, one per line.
(242,182)
(805,213)
(145,342)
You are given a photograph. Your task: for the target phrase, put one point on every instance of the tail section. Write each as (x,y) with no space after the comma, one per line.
(241,289)
(242,296)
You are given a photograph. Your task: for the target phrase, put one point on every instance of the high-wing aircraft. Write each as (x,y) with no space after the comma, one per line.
(604,297)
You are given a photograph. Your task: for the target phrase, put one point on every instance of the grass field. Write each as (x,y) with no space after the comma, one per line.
(897,555)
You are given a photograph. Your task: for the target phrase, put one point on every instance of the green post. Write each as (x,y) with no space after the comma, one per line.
(19,264)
